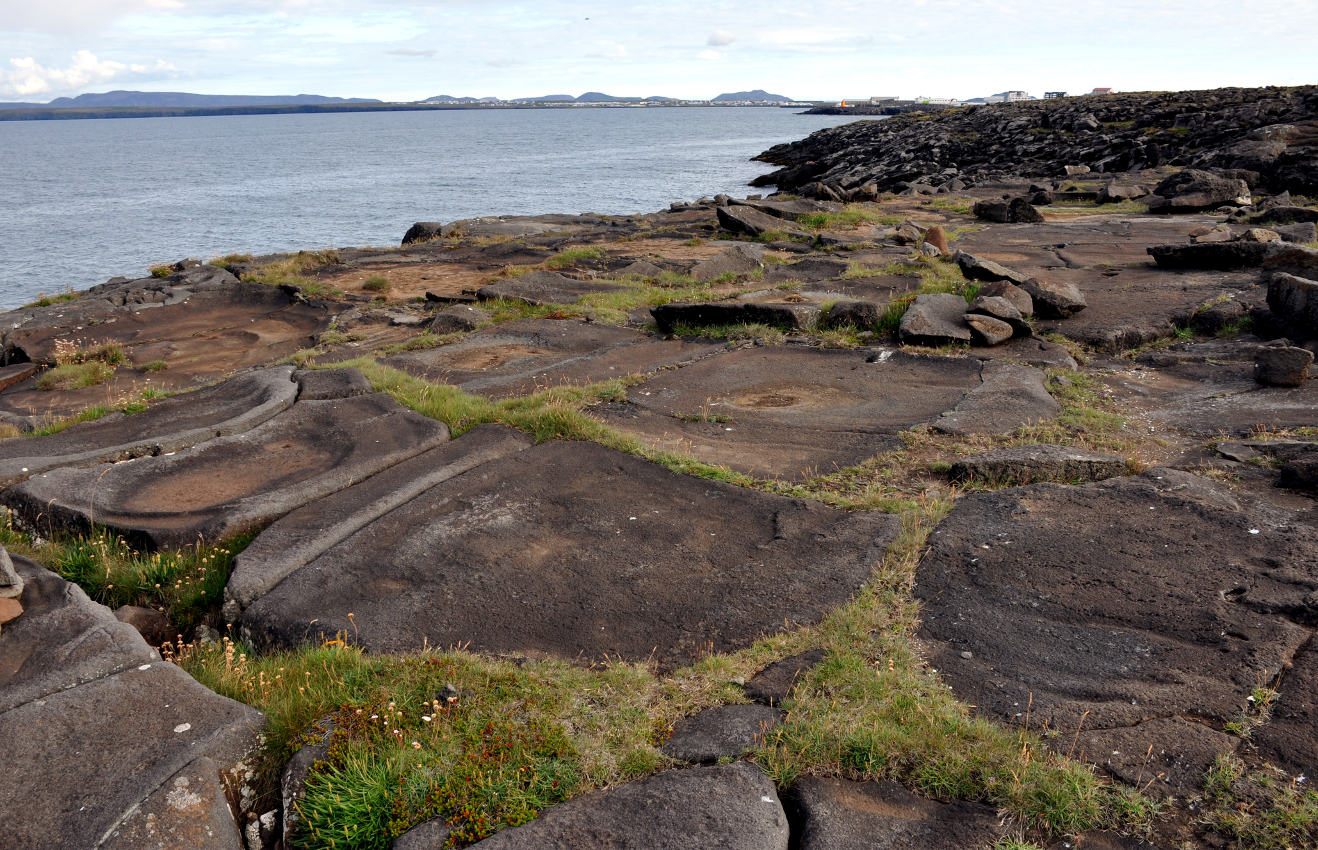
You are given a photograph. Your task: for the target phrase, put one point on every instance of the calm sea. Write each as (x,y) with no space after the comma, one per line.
(87,200)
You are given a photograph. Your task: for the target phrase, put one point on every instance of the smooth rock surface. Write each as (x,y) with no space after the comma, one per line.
(573,550)
(837,814)
(725,731)
(542,287)
(775,683)
(1034,463)
(730,806)
(935,320)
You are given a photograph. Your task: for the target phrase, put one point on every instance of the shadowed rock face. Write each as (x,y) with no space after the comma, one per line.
(795,412)
(573,550)
(235,483)
(1118,604)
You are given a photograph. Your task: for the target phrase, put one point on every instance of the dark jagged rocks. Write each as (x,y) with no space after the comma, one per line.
(1266,136)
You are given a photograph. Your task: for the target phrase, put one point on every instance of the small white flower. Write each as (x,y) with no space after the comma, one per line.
(1253,531)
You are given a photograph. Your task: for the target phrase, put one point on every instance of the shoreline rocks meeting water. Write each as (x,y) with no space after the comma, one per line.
(964,498)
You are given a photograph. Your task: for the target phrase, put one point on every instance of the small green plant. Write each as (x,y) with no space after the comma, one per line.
(164,270)
(45,300)
(1261,809)
(153,366)
(74,376)
(850,217)
(376,283)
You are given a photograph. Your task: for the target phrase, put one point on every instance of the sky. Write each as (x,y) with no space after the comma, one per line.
(403,50)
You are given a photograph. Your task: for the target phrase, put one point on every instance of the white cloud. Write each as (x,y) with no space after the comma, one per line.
(28,77)
(710,55)
(720,38)
(411,51)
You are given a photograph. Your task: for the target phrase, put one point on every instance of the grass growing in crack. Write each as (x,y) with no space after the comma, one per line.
(185,584)
(769,334)
(290,271)
(849,217)
(45,300)
(569,257)
(1260,809)
(74,376)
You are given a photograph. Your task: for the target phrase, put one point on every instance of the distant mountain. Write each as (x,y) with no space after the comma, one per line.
(755,96)
(444,98)
(181,99)
(549,98)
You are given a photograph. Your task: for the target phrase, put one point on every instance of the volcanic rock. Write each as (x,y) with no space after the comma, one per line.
(1054,299)
(1033,463)
(837,814)
(1282,365)
(542,287)
(726,731)
(935,320)
(774,684)
(977,268)
(1194,191)
(986,330)
(737,260)
(753,223)
(1012,211)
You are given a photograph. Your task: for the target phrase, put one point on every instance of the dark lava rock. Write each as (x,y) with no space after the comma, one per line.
(935,320)
(1221,256)
(1003,310)
(429,835)
(1016,210)
(753,223)
(1300,474)
(726,731)
(1290,738)
(457,319)
(1102,841)
(293,778)
(95,703)
(1195,191)
(1216,318)
(541,288)
(1116,191)
(1054,299)
(786,315)
(1294,300)
(1286,215)
(986,330)
(1302,232)
(774,684)
(977,268)
(1282,365)
(731,806)
(628,560)
(231,484)
(1010,393)
(184,420)
(809,270)
(856,314)
(737,260)
(837,814)
(1017,297)
(326,384)
(1175,764)
(1030,464)
(152,625)
(1109,605)
(423,231)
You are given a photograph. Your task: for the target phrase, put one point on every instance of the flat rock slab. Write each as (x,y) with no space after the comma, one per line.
(1208,389)
(178,422)
(231,484)
(324,384)
(573,550)
(108,731)
(726,731)
(203,324)
(798,412)
(1129,301)
(1181,754)
(541,288)
(731,806)
(837,814)
(1030,464)
(534,354)
(1153,596)
(781,314)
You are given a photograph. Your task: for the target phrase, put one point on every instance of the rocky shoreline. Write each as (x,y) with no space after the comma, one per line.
(962,499)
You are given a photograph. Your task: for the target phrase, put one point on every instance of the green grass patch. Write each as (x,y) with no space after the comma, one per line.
(1091,208)
(848,218)
(376,283)
(291,271)
(72,376)
(1261,809)
(45,300)
(573,256)
(959,207)
(153,366)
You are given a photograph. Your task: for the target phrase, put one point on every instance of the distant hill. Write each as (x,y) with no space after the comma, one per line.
(183,99)
(444,98)
(548,98)
(755,96)
(601,97)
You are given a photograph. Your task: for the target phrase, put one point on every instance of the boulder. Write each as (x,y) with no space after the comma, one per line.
(326,384)
(152,625)
(640,268)
(726,731)
(1258,234)
(753,223)
(1286,215)
(1300,474)
(986,330)
(1054,299)
(1016,210)
(1282,365)
(1217,256)
(458,318)
(1017,297)
(1003,310)
(788,315)
(423,231)
(1294,300)
(1193,190)
(856,314)
(1033,463)
(936,237)
(1116,191)
(732,806)
(937,319)
(11,583)
(774,684)
(736,260)
(838,814)
(976,268)
(1300,232)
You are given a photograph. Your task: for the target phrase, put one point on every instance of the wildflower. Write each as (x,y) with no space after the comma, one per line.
(416,745)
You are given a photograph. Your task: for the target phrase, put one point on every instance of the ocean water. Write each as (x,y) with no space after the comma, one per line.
(87,200)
